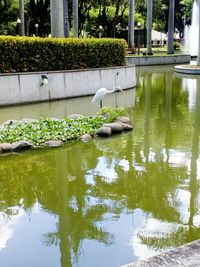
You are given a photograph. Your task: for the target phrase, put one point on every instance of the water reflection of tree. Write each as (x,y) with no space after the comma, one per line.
(57,180)
(186,232)
(61,189)
(77,218)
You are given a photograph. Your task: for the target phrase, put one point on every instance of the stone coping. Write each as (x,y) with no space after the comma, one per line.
(187,69)
(67,71)
(186,255)
(158,60)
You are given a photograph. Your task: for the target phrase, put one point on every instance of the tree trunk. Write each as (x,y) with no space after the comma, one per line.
(149,26)
(66,19)
(22,26)
(75,18)
(170,43)
(131,24)
(57,18)
(198,58)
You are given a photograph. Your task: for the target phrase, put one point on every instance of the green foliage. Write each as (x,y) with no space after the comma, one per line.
(112,113)
(45,129)
(18,54)
(9,12)
(177,46)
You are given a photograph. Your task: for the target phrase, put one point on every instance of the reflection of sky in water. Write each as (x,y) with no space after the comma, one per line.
(16,232)
(190,86)
(106,168)
(149,227)
(8,220)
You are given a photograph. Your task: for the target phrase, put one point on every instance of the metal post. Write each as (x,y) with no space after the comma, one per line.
(139,27)
(138,41)
(36,29)
(19,26)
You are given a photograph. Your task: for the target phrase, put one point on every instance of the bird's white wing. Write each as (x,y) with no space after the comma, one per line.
(99,94)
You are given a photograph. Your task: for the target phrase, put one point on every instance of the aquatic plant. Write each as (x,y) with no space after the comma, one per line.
(40,131)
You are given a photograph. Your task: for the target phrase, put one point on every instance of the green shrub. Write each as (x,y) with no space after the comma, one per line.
(21,54)
(177,46)
(112,113)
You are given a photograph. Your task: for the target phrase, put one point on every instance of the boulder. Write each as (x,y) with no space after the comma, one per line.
(86,138)
(5,148)
(104,131)
(116,127)
(126,126)
(20,146)
(123,119)
(9,122)
(75,116)
(54,143)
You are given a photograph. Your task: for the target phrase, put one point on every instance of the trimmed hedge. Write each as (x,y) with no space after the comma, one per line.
(21,54)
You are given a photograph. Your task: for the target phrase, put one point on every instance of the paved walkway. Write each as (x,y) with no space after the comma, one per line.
(187,255)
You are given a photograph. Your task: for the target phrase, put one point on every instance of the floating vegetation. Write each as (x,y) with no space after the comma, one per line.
(39,132)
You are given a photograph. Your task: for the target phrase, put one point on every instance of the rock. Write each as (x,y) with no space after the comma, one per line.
(5,147)
(124,120)
(75,116)
(116,127)
(104,131)
(20,146)
(54,143)
(126,126)
(86,138)
(9,122)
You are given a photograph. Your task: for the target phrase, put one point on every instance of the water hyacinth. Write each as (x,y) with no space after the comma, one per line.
(45,129)
(38,132)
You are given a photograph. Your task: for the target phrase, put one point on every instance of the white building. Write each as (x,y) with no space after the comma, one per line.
(158,38)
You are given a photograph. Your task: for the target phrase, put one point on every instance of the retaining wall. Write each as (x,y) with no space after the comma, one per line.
(158,60)
(22,88)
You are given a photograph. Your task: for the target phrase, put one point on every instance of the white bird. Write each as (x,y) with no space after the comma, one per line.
(99,95)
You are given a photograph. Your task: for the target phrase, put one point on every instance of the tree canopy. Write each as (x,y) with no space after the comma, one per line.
(92,14)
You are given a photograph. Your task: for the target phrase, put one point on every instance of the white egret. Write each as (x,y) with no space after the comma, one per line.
(99,95)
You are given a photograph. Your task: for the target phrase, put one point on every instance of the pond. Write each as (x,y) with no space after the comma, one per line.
(111,201)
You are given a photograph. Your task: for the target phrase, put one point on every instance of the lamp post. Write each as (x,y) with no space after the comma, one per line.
(100,33)
(36,29)
(139,27)
(19,26)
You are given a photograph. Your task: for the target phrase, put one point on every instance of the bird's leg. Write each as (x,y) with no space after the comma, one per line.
(101,103)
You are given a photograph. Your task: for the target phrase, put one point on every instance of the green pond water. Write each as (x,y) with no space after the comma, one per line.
(111,201)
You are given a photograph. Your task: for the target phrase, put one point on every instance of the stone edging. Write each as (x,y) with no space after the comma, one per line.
(186,255)
(158,60)
(187,70)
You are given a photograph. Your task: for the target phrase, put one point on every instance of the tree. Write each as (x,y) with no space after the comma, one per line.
(9,12)
(38,12)
(57,18)
(170,43)
(198,58)
(75,18)
(66,18)
(131,24)
(21,4)
(149,26)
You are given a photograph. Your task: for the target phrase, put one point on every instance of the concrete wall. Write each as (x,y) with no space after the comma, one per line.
(62,108)
(157,60)
(26,87)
